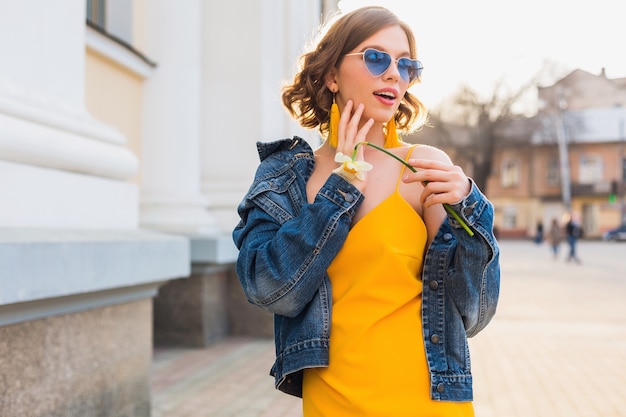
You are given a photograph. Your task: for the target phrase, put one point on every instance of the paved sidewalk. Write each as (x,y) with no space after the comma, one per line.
(556,348)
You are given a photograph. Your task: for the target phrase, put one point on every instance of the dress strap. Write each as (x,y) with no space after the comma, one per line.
(408,155)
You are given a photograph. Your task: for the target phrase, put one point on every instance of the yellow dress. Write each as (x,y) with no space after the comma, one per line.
(377,360)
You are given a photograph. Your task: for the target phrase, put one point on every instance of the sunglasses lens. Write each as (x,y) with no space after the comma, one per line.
(377,62)
(409,69)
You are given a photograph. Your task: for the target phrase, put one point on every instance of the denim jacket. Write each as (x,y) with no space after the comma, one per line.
(286,244)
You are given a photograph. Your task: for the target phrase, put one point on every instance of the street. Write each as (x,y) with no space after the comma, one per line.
(556,348)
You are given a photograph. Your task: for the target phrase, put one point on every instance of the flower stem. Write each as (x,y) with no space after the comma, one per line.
(406,164)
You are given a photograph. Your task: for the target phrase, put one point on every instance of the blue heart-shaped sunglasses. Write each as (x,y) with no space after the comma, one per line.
(377,62)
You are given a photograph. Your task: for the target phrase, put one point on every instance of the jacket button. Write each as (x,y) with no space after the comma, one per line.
(433,285)
(440,387)
(434,338)
(447,236)
(349,198)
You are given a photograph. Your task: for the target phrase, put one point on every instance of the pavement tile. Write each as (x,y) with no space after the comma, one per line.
(557,347)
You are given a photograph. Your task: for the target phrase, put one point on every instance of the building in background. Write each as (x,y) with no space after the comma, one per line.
(570,158)
(126,143)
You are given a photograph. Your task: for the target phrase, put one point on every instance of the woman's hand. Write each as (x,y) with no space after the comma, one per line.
(442,181)
(349,133)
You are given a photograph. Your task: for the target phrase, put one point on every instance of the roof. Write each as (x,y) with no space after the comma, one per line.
(593,125)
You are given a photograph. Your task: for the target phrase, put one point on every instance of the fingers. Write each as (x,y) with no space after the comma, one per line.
(431,196)
(443,182)
(349,132)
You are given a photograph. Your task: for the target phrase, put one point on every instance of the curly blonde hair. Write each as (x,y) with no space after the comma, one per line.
(308,99)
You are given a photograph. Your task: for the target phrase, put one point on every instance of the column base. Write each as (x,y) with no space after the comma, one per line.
(187,217)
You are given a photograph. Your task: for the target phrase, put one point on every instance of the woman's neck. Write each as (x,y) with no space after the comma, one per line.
(376,135)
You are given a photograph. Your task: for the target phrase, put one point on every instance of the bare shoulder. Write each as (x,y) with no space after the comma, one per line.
(431,152)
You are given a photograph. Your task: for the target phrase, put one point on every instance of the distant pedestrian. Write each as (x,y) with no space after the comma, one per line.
(555,235)
(539,232)
(573,231)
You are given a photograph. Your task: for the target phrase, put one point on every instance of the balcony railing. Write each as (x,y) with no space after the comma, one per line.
(593,189)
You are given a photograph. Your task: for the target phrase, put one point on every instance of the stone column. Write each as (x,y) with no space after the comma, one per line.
(77,274)
(170,178)
(241,101)
(59,167)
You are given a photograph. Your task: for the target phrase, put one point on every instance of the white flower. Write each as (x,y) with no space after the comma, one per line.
(350,168)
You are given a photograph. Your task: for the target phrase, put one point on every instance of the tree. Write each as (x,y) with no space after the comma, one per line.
(484,117)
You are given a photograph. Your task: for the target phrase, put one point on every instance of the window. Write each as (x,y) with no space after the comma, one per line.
(115,17)
(554,172)
(95,13)
(510,173)
(591,169)
(509,220)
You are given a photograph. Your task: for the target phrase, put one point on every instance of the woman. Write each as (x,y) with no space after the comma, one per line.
(556,236)
(374,286)
(573,232)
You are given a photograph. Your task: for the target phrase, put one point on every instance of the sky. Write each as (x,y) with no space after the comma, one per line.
(476,43)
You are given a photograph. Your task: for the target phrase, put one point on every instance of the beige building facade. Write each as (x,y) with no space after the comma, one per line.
(581,137)
(127,139)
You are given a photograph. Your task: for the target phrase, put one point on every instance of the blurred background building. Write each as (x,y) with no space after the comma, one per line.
(569,158)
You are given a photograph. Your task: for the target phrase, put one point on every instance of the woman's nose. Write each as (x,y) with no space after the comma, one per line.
(392,71)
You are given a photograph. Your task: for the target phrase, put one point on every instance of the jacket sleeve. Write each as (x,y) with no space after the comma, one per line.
(473,273)
(283,259)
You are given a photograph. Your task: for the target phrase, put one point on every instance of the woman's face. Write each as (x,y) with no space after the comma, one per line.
(380,94)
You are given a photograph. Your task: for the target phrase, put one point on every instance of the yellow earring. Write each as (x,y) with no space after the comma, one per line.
(333,124)
(391,137)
